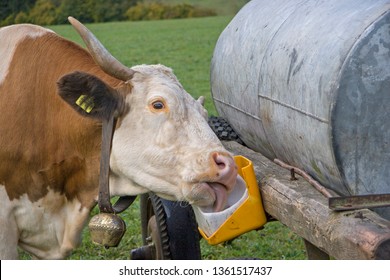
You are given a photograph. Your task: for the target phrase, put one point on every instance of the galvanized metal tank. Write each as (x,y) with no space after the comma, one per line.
(308,82)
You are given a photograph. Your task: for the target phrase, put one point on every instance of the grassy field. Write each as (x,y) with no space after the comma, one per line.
(186,46)
(221,7)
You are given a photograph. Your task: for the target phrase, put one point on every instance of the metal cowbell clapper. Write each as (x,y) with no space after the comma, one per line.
(107,229)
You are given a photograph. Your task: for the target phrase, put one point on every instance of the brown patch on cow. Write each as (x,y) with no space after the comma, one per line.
(73,178)
(68,177)
(44,143)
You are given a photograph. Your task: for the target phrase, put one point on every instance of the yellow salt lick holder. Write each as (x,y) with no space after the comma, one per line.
(244,210)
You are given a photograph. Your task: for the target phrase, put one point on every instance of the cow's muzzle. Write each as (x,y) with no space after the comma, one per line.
(217,183)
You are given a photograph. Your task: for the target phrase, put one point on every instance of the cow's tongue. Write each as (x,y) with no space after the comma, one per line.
(221,196)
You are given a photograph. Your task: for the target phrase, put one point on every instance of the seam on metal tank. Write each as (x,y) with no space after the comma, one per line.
(332,106)
(272,150)
(238,109)
(345,61)
(294,108)
(266,50)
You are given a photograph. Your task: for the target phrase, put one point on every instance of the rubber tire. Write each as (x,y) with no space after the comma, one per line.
(223,130)
(178,229)
(153,210)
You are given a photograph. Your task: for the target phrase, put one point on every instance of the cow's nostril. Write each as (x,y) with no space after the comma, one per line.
(221,161)
(221,165)
(225,170)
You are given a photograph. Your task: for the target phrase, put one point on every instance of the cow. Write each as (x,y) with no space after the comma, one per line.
(53,97)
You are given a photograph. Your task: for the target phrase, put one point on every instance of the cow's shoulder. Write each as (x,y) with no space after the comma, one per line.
(11,37)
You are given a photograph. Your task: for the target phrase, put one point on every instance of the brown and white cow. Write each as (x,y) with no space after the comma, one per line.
(49,153)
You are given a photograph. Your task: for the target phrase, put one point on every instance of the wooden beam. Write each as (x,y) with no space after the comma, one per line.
(314,253)
(359,234)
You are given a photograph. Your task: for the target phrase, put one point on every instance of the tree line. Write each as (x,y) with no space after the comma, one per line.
(51,12)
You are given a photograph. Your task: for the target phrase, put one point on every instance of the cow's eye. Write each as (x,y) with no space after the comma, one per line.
(158,105)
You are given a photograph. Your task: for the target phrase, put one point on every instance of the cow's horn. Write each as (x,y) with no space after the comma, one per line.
(100,54)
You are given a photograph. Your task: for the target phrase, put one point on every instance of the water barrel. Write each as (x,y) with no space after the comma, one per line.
(308,82)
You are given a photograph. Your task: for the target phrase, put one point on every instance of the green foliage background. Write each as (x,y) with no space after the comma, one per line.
(47,12)
(51,12)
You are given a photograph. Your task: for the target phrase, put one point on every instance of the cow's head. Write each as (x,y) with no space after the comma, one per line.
(162,142)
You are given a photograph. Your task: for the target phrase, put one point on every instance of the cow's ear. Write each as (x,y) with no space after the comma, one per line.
(201,100)
(89,96)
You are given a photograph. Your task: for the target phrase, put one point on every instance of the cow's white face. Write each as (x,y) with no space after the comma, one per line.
(162,142)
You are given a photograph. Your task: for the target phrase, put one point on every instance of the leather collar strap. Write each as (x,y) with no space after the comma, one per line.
(104,190)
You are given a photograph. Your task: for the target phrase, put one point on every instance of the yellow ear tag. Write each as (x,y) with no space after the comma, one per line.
(86,103)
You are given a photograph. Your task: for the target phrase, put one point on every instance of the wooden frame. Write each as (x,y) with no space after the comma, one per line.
(358,234)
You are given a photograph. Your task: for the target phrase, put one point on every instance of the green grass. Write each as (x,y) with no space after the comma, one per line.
(273,242)
(221,7)
(186,46)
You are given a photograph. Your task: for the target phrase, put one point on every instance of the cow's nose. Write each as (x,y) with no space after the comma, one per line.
(226,170)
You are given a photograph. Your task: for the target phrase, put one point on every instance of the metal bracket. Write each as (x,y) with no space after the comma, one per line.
(359,202)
